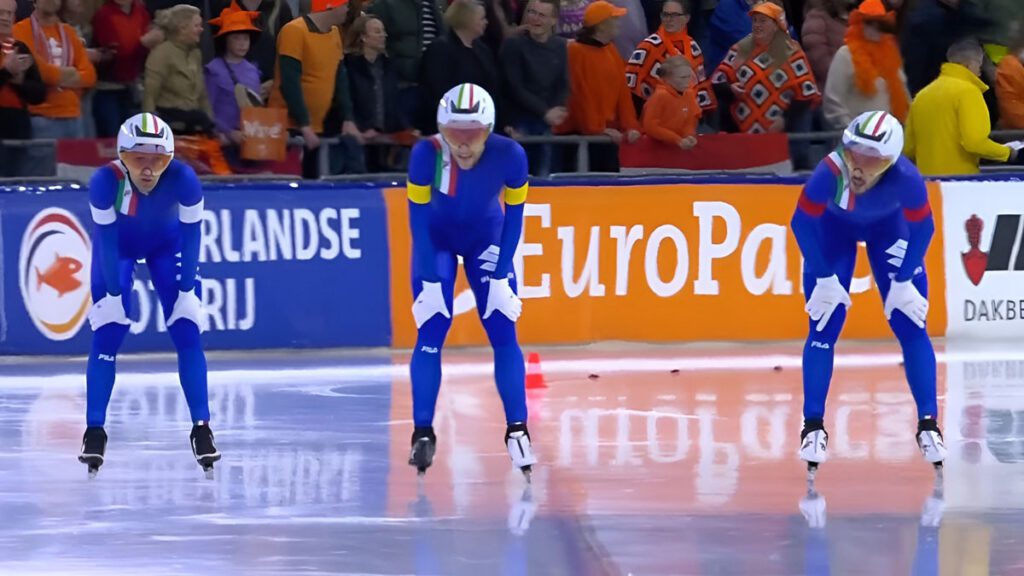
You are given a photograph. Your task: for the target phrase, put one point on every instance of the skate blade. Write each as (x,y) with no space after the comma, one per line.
(528,473)
(812,472)
(93,462)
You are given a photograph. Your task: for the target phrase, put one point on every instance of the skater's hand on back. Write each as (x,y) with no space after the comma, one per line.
(500,297)
(429,303)
(109,310)
(188,307)
(903,296)
(827,296)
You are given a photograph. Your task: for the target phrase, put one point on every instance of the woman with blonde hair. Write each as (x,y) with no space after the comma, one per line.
(458,57)
(175,87)
(765,80)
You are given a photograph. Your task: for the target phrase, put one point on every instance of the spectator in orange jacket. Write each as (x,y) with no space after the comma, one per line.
(599,100)
(66,70)
(671,114)
(1010,88)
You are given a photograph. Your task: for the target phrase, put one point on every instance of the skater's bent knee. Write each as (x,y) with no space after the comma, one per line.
(500,331)
(185,335)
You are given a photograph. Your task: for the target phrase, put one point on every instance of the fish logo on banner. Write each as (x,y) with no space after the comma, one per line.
(53,268)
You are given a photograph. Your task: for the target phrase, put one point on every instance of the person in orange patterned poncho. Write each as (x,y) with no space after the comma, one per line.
(672,38)
(765,79)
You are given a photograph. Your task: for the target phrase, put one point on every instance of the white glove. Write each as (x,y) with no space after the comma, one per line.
(108,310)
(188,307)
(500,297)
(828,294)
(428,303)
(904,296)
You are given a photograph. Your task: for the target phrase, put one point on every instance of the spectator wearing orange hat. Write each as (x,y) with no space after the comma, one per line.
(766,78)
(273,16)
(671,114)
(867,73)
(230,78)
(599,100)
(1010,87)
(311,82)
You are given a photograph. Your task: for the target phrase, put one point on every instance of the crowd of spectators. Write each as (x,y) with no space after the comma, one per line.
(368,74)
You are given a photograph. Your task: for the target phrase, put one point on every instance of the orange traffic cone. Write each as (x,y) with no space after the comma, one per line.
(534,375)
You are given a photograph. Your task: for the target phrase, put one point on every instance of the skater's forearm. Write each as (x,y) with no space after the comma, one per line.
(109,257)
(510,233)
(807,230)
(190,239)
(917,246)
(422,246)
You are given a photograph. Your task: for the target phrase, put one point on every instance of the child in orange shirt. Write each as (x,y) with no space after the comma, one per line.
(671,113)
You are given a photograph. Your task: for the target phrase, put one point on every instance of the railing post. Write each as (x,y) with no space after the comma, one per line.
(583,156)
(324,160)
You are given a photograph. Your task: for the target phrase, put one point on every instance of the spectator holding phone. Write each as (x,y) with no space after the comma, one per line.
(123,36)
(20,85)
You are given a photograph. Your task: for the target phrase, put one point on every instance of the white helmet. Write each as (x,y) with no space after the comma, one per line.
(145,133)
(876,133)
(466,106)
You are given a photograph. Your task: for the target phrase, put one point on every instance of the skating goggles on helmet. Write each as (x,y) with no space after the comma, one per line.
(464,134)
(865,157)
(137,161)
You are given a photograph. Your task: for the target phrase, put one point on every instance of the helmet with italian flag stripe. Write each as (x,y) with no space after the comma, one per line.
(466,106)
(877,134)
(146,133)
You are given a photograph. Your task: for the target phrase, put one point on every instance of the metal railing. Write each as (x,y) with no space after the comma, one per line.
(582,143)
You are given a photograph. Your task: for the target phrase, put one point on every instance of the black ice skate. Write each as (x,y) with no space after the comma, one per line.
(813,446)
(94,446)
(203,447)
(517,440)
(424,444)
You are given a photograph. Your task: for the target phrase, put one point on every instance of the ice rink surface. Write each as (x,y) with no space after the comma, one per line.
(654,460)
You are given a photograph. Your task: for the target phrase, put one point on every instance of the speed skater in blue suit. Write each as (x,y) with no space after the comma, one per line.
(146,206)
(456,182)
(866,191)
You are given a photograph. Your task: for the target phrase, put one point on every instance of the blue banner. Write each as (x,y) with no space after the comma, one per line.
(282,265)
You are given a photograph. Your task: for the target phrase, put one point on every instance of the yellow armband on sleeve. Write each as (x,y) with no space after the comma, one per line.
(418,193)
(516,195)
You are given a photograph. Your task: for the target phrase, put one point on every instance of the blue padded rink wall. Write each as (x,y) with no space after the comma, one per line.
(642,471)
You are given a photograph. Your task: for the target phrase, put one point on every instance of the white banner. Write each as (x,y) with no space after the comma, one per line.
(984,251)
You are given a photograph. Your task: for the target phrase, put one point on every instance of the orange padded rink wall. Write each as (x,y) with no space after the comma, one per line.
(658,263)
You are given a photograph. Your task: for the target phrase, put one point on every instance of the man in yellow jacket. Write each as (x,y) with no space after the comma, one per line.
(948,126)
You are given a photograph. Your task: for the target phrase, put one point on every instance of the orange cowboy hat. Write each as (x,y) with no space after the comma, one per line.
(773,11)
(234,19)
(875,11)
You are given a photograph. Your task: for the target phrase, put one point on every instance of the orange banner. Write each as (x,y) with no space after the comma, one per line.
(663,263)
